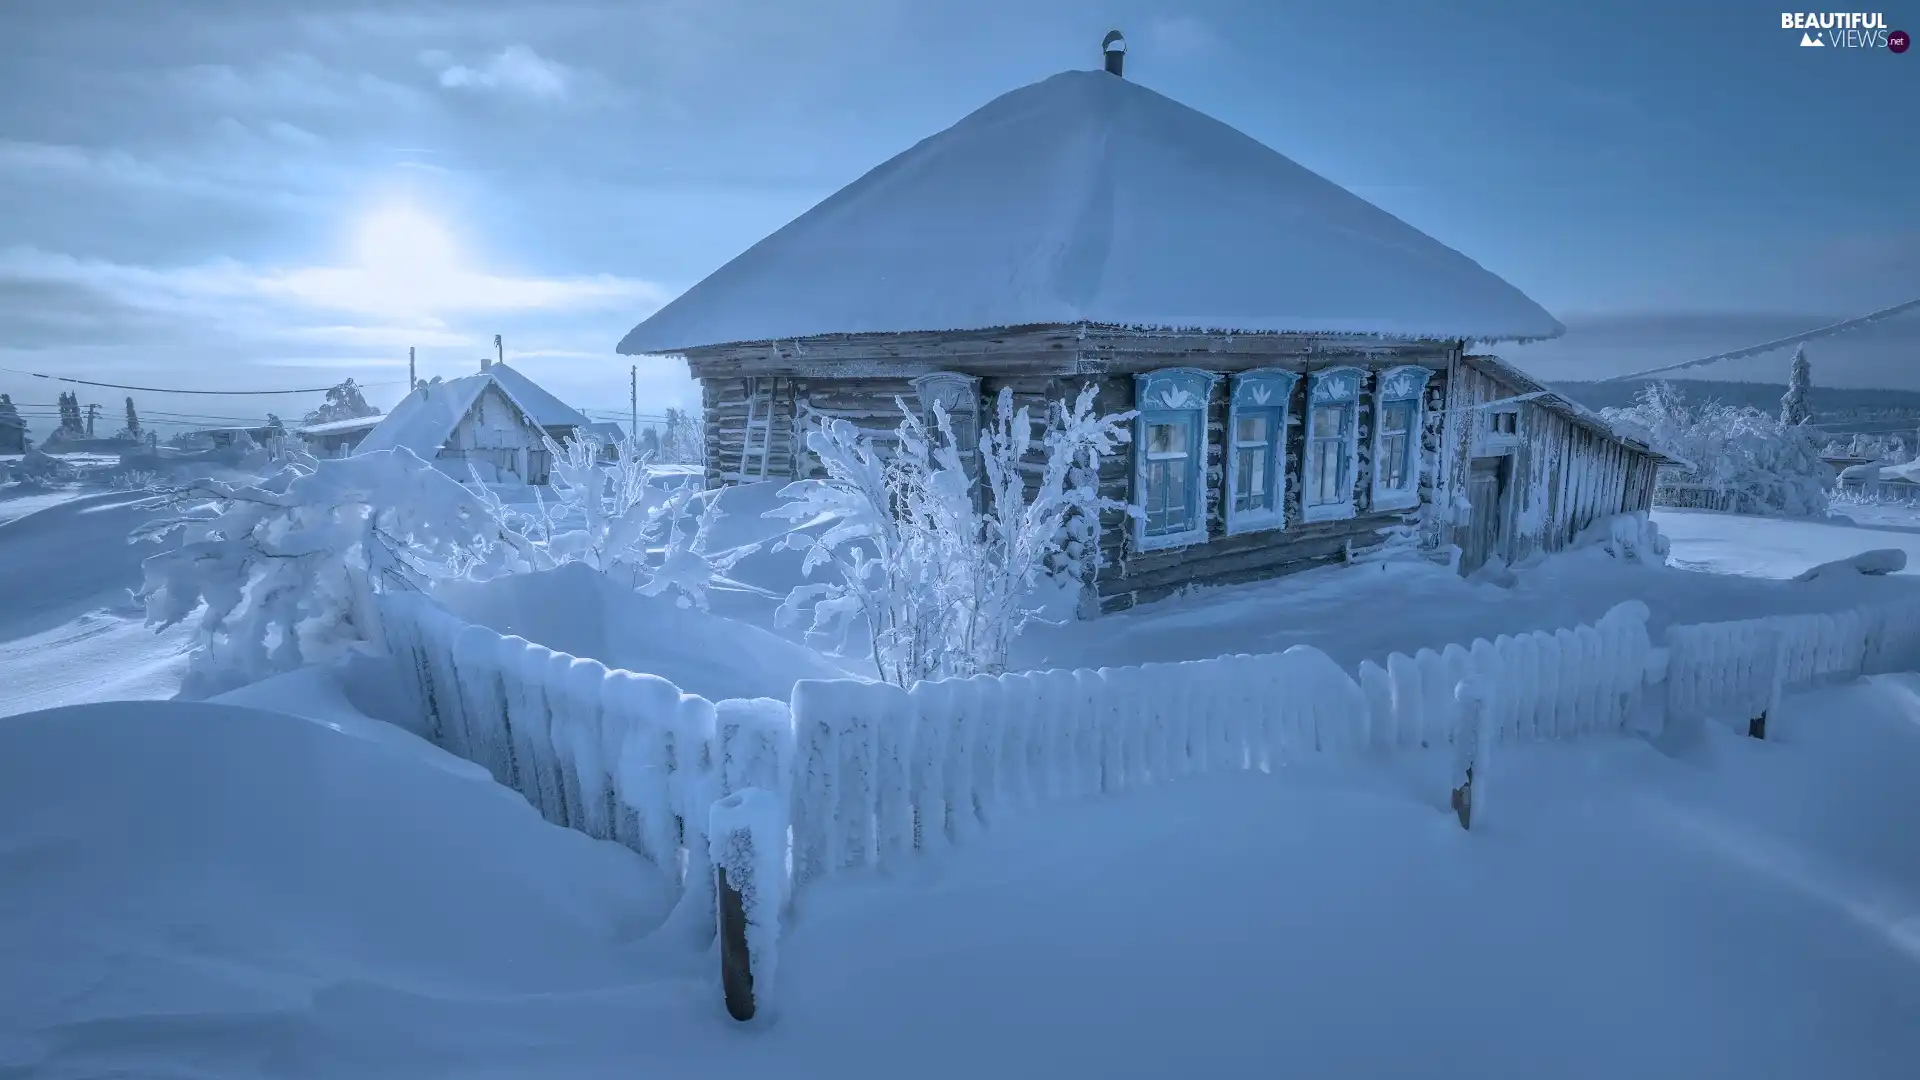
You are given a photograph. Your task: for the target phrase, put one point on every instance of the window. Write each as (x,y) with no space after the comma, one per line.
(1506,422)
(1256,450)
(1170,457)
(1396,437)
(959,395)
(1333,396)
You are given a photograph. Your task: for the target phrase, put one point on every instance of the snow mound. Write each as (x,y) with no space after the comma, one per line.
(1877,562)
(213,884)
(1630,537)
(1088,198)
(577,610)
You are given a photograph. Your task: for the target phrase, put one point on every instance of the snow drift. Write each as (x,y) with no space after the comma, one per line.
(203,879)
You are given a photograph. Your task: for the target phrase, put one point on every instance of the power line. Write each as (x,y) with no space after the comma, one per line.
(163,390)
(1777,343)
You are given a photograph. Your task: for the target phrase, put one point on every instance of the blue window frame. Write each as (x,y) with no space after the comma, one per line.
(1257,449)
(1398,415)
(1333,441)
(1170,457)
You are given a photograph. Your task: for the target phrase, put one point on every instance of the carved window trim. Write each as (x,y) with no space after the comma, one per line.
(1165,397)
(1337,388)
(1269,393)
(1398,386)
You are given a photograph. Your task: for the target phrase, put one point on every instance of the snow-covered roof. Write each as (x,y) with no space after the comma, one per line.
(1907,472)
(605,430)
(335,427)
(1086,198)
(547,411)
(425,418)
(1568,409)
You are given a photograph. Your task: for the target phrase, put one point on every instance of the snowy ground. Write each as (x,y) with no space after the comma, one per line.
(348,906)
(222,891)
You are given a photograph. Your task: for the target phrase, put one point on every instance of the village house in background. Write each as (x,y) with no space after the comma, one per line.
(337,438)
(495,422)
(1298,356)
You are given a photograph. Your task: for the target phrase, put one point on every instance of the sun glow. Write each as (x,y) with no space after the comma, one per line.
(400,243)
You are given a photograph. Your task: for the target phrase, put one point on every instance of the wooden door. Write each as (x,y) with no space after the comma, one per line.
(1486,491)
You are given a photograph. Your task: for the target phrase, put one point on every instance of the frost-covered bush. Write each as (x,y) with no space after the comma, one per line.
(39,469)
(943,582)
(620,518)
(1762,465)
(283,571)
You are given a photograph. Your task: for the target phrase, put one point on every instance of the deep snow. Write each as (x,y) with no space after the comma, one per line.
(188,890)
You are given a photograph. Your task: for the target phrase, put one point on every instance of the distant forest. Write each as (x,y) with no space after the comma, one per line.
(1832,406)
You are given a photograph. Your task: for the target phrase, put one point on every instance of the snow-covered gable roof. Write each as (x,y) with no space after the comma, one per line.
(546,410)
(425,418)
(1568,409)
(1086,198)
(605,430)
(335,427)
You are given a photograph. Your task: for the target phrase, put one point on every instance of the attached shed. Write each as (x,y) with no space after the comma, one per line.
(1292,349)
(478,424)
(1532,468)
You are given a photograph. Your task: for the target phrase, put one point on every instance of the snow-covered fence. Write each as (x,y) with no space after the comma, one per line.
(1738,669)
(617,755)
(1543,685)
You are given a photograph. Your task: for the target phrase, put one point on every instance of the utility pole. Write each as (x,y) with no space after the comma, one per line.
(633,403)
(92,411)
(411,380)
(499,350)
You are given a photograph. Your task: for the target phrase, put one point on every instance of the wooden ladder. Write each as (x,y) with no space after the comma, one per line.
(764,418)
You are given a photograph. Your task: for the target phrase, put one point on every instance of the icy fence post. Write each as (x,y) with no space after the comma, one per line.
(1471,749)
(746,835)
(1775,656)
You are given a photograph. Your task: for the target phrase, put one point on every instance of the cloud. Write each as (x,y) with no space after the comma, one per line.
(515,69)
(291,82)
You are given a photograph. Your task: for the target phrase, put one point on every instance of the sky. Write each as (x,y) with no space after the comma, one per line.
(266,194)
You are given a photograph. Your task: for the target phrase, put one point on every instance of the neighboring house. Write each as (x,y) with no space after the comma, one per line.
(222,438)
(493,422)
(1882,480)
(1840,463)
(1297,355)
(609,434)
(337,438)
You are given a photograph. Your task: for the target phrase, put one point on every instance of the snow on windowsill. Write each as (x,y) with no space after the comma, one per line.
(1395,500)
(1329,512)
(1142,542)
(1253,523)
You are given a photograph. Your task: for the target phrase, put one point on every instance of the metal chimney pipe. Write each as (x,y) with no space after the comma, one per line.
(1115,49)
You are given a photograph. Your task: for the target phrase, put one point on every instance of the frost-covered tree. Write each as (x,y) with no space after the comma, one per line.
(1794,408)
(284,571)
(344,402)
(1762,465)
(133,430)
(685,442)
(942,582)
(72,425)
(619,518)
(10,414)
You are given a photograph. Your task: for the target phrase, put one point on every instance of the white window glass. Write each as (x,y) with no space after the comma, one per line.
(1169,452)
(1253,433)
(1327,466)
(1396,444)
